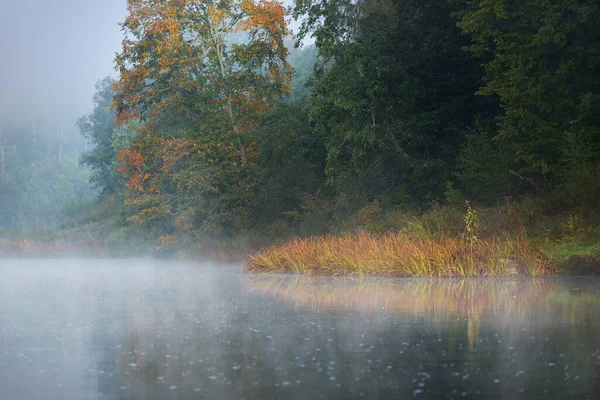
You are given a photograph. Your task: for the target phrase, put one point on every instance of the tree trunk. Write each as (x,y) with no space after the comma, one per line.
(220,47)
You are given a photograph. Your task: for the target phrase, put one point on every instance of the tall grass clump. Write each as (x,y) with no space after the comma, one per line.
(395,254)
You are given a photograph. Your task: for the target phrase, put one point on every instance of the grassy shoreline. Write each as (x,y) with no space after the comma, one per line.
(529,237)
(524,238)
(395,254)
(359,254)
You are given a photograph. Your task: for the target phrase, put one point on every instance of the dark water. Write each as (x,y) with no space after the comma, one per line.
(157,330)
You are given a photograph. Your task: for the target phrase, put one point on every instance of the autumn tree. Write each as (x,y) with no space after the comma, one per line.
(199,74)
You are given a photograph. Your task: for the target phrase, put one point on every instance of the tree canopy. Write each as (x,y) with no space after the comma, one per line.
(398,104)
(198,75)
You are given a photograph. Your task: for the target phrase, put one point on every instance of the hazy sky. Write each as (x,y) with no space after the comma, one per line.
(52,52)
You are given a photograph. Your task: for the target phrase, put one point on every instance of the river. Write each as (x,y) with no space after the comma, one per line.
(146,329)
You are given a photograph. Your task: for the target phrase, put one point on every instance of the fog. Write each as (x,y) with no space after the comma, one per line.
(52,53)
(141,329)
(149,250)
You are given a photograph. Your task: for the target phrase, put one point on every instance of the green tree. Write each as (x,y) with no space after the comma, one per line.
(291,161)
(541,59)
(98,127)
(394,94)
(35,188)
(485,166)
(303,61)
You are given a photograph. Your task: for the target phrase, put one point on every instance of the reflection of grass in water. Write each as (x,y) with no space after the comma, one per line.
(576,305)
(450,300)
(437,298)
(402,255)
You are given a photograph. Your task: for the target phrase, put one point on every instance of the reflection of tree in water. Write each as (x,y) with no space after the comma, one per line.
(341,337)
(165,342)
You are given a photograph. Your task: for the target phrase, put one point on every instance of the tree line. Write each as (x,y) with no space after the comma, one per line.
(39,174)
(216,125)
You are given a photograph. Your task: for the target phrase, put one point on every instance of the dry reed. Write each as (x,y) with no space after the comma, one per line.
(402,255)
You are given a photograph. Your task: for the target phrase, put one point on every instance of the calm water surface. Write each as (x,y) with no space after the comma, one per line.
(93,329)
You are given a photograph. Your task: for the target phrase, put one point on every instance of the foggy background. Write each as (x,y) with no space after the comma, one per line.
(53,52)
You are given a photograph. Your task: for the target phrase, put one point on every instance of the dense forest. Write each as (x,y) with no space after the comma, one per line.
(218,130)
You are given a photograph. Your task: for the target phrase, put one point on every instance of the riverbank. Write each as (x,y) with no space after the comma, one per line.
(410,256)
(105,239)
(525,238)
(403,255)
(362,254)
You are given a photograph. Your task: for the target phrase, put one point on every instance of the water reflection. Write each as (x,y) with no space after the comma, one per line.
(437,299)
(120,330)
(465,305)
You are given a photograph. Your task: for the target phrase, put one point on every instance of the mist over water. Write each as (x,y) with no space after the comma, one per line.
(209,145)
(115,329)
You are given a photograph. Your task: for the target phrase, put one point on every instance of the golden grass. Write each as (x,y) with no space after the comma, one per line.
(402,255)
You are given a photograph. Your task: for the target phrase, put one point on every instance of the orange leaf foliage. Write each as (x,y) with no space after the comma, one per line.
(200,97)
